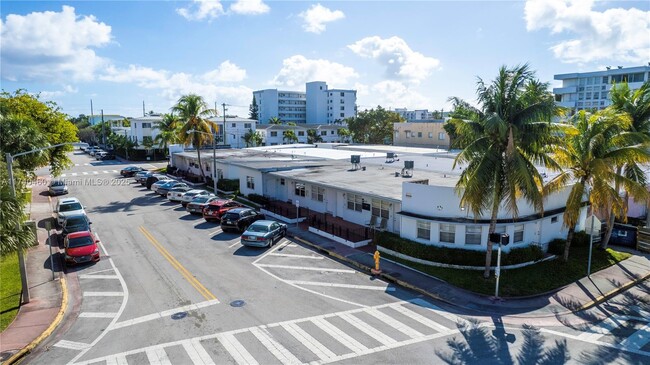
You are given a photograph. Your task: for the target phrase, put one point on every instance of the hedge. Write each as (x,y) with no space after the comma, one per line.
(259,199)
(228,184)
(455,256)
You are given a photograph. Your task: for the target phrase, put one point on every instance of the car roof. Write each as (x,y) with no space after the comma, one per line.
(238,210)
(263,222)
(220,202)
(79,234)
(76,215)
(69,201)
(197,191)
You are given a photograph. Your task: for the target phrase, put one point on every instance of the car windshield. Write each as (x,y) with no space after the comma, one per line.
(80,241)
(258,228)
(69,207)
(231,216)
(57,183)
(75,221)
(200,199)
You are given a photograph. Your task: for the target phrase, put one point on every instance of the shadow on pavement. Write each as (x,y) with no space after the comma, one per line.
(224,236)
(190,217)
(250,251)
(206,225)
(121,206)
(57,259)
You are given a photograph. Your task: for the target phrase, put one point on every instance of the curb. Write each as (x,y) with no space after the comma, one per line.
(55,323)
(611,293)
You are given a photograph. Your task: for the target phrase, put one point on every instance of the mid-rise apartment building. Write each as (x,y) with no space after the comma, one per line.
(317,105)
(413,115)
(590,90)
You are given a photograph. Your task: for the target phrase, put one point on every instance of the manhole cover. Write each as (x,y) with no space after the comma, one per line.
(237,303)
(179,315)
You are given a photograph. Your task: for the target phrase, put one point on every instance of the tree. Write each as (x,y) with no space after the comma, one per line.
(87,135)
(593,145)
(168,131)
(253,110)
(374,126)
(275,120)
(636,105)
(252,138)
(196,129)
(503,140)
(81,121)
(290,136)
(14,235)
(20,134)
(313,136)
(345,134)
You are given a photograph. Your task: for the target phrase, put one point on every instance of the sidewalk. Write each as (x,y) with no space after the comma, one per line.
(579,295)
(38,318)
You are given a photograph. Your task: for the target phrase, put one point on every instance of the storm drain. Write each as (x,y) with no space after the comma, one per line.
(237,303)
(179,315)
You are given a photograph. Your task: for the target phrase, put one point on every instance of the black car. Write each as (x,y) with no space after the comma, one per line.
(108,157)
(74,223)
(130,170)
(239,219)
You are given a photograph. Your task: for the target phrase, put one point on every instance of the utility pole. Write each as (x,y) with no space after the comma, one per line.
(91,109)
(143,110)
(103,133)
(225,136)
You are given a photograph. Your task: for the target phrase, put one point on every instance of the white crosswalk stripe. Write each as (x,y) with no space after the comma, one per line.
(197,353)
(308,341)
(72,345)
(158,356)
(600,329)
(117,360)
(236,349)
(394,323)
(421,319)
(368,329)
(279,351)
(339,335)
(638,339)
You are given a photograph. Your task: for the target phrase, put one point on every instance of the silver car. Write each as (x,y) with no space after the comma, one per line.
(190,195)
(67,207)
(57,187)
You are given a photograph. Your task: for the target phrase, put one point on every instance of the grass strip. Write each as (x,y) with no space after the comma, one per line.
(10,289)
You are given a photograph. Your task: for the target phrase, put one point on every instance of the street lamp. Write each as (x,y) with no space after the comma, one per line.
(591,231)
(214,155)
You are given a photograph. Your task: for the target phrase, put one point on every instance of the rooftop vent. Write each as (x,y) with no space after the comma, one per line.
(407,171)
(355,160)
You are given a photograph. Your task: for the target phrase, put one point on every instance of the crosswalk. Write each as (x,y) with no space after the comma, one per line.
(328,338)
(85,173)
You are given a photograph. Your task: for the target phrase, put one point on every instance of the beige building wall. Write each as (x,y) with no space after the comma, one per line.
(427,134)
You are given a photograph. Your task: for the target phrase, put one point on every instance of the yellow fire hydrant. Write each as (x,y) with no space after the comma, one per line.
(376,270)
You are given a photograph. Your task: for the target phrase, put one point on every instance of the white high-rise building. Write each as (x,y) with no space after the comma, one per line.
(590,90)
(318,105)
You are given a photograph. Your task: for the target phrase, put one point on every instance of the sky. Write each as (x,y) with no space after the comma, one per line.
(397,54)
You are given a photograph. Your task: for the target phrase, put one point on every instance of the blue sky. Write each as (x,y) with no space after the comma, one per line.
(397,54)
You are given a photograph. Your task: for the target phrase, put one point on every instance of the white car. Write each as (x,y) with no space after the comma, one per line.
(177,195)
(67,207)
(157,184)
(100,154)
(190,195)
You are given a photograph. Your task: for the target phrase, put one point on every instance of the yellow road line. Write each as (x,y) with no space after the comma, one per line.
(177,265)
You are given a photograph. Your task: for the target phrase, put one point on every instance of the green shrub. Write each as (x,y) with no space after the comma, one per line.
(228,184)
(455,256)
(580,239)
(259,199)
(556,247)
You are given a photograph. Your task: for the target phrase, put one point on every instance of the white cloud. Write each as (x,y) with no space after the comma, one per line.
(297,70)
(201,10)
(400,61)
(394,94)
(67,89)
(227,72)
(615,34)
(52,45)
(317,16)
(249,7)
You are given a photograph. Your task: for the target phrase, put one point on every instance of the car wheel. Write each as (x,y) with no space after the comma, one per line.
(269,243)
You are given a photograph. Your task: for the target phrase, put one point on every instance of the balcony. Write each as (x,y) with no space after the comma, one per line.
(565,90)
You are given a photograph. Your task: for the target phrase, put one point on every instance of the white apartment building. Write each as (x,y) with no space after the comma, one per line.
(145,128)
(234,129)
(318,105)
(273,134)
(590,90)
(413,115)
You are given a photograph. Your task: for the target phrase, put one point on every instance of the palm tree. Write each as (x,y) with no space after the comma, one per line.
(313,136)
(168,131)
(636,105)
(290,136)
(275,120)
(594,144)
(504,139)
(196,129)
(252,138)
(344,133)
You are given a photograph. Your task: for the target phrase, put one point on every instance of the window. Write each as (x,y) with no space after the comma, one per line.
(380,208)
(355,202)
(247,125)
(554,220)
(281,181)
(332,132)
(500,229)
(250,182)
(317,193)
(604,80)
(342,93)
(473,235)
(301,133)
(274,134)
(519,233)
(342,115)
(146,125)
(300,189)
(430,134)
(424,230)
(419,134)
(233,125)
(323,133)
(342,101)
(448,233)
(342,108)
(441,136)
(408,133)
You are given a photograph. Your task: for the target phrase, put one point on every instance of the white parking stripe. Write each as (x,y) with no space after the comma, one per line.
(234,244)
(197,353)
(106,172)
(297,256)
(103,294)
(307,268)
(215,232)
(113,170)
(279,351)
(339,335)
(368,329)
(157,356)
(235,349)
(308,341)
(349,286)
(73,174)
(97,272)
(85,173)
(95,172)
(72,345)
(63,175)
(421,319)
(394,323)
(97,315)
(638,339)
(90,276)
(163,314)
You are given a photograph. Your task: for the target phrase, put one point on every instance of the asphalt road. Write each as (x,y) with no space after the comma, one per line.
(171,288)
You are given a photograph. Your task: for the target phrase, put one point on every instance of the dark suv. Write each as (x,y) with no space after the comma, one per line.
(74,223)
(238,219)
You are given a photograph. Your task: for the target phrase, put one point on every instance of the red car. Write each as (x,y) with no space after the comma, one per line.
(81,247)
(215,209)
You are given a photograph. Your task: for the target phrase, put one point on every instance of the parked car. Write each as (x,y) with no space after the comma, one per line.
(74,223)
(175,194)
(67,207)
(91,150)
(166,187)
(215,210)
(82,145)
(95,151)
(80,247)
(130,171)
(108,156)
(190,195)
(161,181)
(57,187)
(238,219)
(199,201)
(263,233)
(154,178)
(141,176)
(100,155)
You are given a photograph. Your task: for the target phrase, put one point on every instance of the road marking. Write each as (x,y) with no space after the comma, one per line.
(97,315)
(601,328)
(279,351)
(104,171)
(63,175)
(85,173)
(117,360)
(73,174)
(97,272)
(197,353)
(297,256)
(91,276)
(339,335)
(368,329)
(215,232)
(158,356)
(421,319)
(235,349)
(308,268)
(166,313)
(86,164)
(177,265)
(412,333)
(234,244)
(638,339)
(439,311)
(308,341)
(72,345)
(113,170)
(95,173)
(348,286)
(103,294)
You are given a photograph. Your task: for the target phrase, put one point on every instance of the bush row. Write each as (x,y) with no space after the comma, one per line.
(580,239)
(455,256)
(228,184)
(259,199)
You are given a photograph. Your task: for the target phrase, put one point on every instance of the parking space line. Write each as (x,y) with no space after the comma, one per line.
(215,232)
(97,272)
(103,294)
(335,285)
(89,276)
(177,265)
(234,244)
(307,268)
(279,351)
(297,256)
